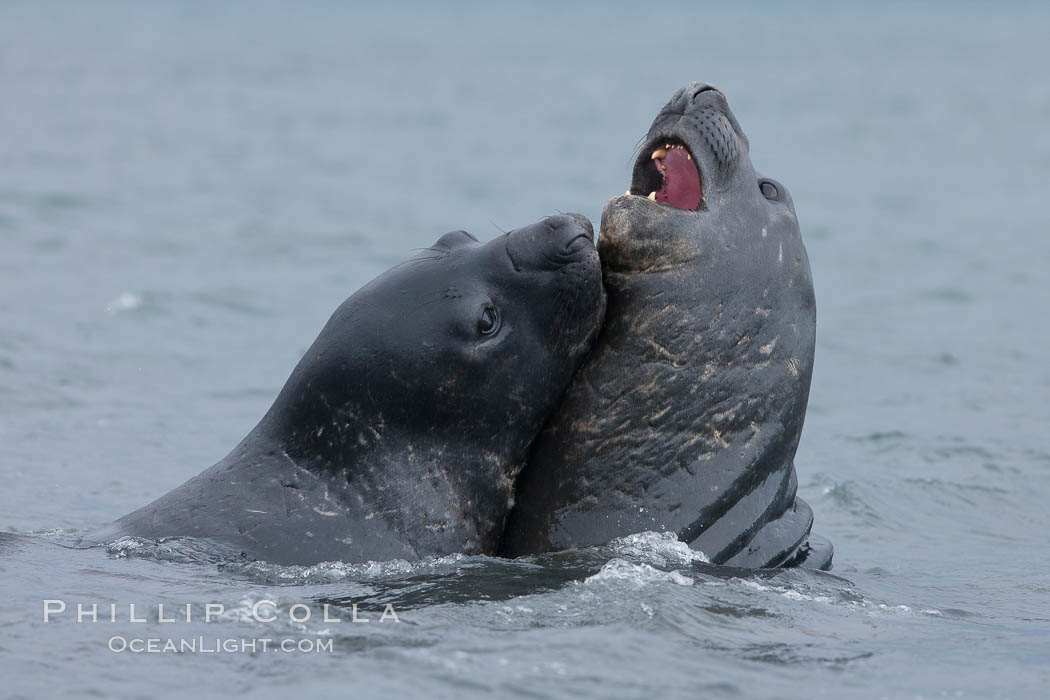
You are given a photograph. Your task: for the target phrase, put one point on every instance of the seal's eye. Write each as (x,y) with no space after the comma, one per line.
(769,190)
(489,322)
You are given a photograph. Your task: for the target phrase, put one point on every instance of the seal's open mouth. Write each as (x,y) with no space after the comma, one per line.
(667,173)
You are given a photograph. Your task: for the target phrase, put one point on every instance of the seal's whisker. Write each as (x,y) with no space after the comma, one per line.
(416,261)
(636,151)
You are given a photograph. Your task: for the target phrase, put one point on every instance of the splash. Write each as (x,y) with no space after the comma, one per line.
(637,574)
(658,548)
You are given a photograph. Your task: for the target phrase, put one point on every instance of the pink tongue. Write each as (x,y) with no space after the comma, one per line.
(681,181)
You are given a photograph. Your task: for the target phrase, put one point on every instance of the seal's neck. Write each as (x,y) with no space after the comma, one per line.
(440,494)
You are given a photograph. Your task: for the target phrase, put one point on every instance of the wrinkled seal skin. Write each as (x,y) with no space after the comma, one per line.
(687,414)
(400,432)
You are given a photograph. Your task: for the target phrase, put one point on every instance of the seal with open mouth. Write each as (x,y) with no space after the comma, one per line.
(687,414)
(400,432)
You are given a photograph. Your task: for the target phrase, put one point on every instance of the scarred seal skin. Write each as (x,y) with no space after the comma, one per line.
(400,432)
(687,414)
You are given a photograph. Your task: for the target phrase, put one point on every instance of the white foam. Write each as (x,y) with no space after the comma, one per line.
(870,607)
(637,574)
(127,546)
(337,571)
(659,548)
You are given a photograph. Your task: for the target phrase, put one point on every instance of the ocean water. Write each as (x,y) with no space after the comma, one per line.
(187,191)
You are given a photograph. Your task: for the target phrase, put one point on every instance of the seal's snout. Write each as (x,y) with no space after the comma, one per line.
(692,147)
(689,98)
(572,232)
(555,241)
(694,92)
(572,219)
(696,88)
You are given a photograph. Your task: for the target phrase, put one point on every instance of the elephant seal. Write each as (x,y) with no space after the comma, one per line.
(686,416)
(400,432)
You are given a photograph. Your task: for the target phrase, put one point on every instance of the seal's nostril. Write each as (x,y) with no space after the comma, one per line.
(551,243)
(581,242)
(584,222)
(566,228)
(697,89)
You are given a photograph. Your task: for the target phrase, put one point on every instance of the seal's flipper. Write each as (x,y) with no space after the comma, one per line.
(816,553)
(778,541)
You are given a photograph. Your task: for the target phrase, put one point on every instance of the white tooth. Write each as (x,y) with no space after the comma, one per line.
(658,153)
(627,193)
(688,157)
(652,195)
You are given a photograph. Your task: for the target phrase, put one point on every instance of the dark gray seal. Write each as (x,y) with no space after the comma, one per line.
(400,432)
(686,416)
